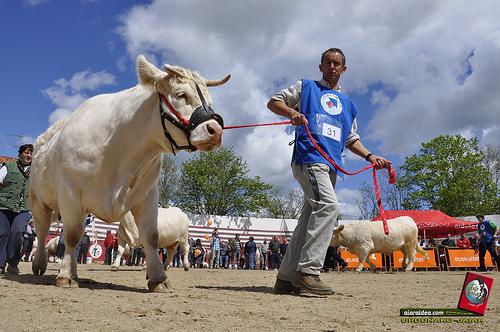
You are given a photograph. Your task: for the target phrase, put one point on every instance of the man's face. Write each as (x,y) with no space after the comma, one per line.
(26,156)
(332,66)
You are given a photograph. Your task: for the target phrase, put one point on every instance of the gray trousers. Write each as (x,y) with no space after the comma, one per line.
(309,243)
(12,226)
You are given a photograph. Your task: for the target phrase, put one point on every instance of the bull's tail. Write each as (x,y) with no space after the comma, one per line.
(421,251)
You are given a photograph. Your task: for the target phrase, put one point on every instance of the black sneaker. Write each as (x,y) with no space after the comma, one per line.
(285,287)
(2,270)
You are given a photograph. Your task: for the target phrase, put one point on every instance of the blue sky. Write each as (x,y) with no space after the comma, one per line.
(416,69)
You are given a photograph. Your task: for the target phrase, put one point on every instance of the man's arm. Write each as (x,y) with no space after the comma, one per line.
(359,149)
(279,107)
(287,103)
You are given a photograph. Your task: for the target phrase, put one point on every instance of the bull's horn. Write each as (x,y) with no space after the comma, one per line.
(218,82)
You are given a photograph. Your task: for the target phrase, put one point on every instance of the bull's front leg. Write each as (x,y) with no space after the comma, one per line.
(363,255)
(372,266)
(146,218)
(73,232)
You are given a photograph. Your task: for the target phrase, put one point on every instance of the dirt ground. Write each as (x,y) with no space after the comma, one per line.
(229,300)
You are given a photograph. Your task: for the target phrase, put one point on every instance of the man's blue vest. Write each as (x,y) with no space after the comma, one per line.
(487,230)
(330,115)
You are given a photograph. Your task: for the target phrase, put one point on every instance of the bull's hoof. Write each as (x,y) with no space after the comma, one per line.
(114,268)
(66,283)
(186,268)
(38,269)
(160,287)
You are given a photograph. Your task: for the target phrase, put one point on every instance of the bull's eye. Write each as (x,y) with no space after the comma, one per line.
(181,95)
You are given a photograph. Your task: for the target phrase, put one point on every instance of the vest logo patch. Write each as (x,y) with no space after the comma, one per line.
(331,104)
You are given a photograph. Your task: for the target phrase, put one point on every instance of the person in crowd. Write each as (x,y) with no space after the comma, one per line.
(333,260)
(224,254)
(448,242)
(264,248)
(235,245)
(474,242)
(14,208)
(191,251)
(108,247)
(274,253)
(138,256)
(421,242)
(84,248)
(29,238)
(176,262)
(330,115)
(463,242)
(283,247)
(199,254)
(487,232)
(115,246)
(250,250)
(60,247)
(431,243)
(215,248)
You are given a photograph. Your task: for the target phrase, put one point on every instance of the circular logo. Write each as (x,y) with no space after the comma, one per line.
(95,250)
(331,104)
(476,291)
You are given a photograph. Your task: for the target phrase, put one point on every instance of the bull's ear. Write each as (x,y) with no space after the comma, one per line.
(339,230)
(147,73)
(174,71)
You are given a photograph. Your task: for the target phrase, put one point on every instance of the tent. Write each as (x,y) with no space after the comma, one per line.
(433,223)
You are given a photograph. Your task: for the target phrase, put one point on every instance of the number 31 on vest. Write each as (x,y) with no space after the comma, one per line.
(331,131)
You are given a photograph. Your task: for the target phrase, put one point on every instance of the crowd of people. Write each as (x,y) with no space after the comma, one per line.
(235,254)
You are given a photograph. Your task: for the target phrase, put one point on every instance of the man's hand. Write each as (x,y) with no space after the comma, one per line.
(380,161)
(298,118)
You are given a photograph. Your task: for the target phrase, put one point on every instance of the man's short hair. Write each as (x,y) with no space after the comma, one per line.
(25,147)
(480,216)
(333,50)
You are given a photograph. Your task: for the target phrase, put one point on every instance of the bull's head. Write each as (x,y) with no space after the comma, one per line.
(185,103)
(337,238)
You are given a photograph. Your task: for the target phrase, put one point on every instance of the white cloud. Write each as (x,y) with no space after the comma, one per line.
(33,3)
(347,201)
(67,95)
(411,60)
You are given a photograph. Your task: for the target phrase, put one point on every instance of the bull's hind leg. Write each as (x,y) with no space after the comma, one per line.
(184,243)
(73,231)
(170,256)
(409,253)
(41,215)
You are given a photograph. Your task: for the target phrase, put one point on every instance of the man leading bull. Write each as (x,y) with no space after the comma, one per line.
(331,117)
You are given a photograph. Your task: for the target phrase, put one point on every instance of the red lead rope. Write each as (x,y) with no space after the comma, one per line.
(392,172)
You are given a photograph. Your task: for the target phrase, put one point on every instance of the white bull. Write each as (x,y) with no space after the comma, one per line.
(173,227)
(366,237)
(51,247)
(104,158)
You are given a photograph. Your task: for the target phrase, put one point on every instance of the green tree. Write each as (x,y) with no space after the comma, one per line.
(285,204)
(217,183)
(392,196)
(449,175)
(169,180)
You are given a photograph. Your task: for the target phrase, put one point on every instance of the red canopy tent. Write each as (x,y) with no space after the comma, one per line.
(433,223)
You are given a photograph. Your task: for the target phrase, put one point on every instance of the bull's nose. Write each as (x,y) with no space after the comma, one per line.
(214,129)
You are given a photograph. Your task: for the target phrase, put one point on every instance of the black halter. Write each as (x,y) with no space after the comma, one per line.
(201,114)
